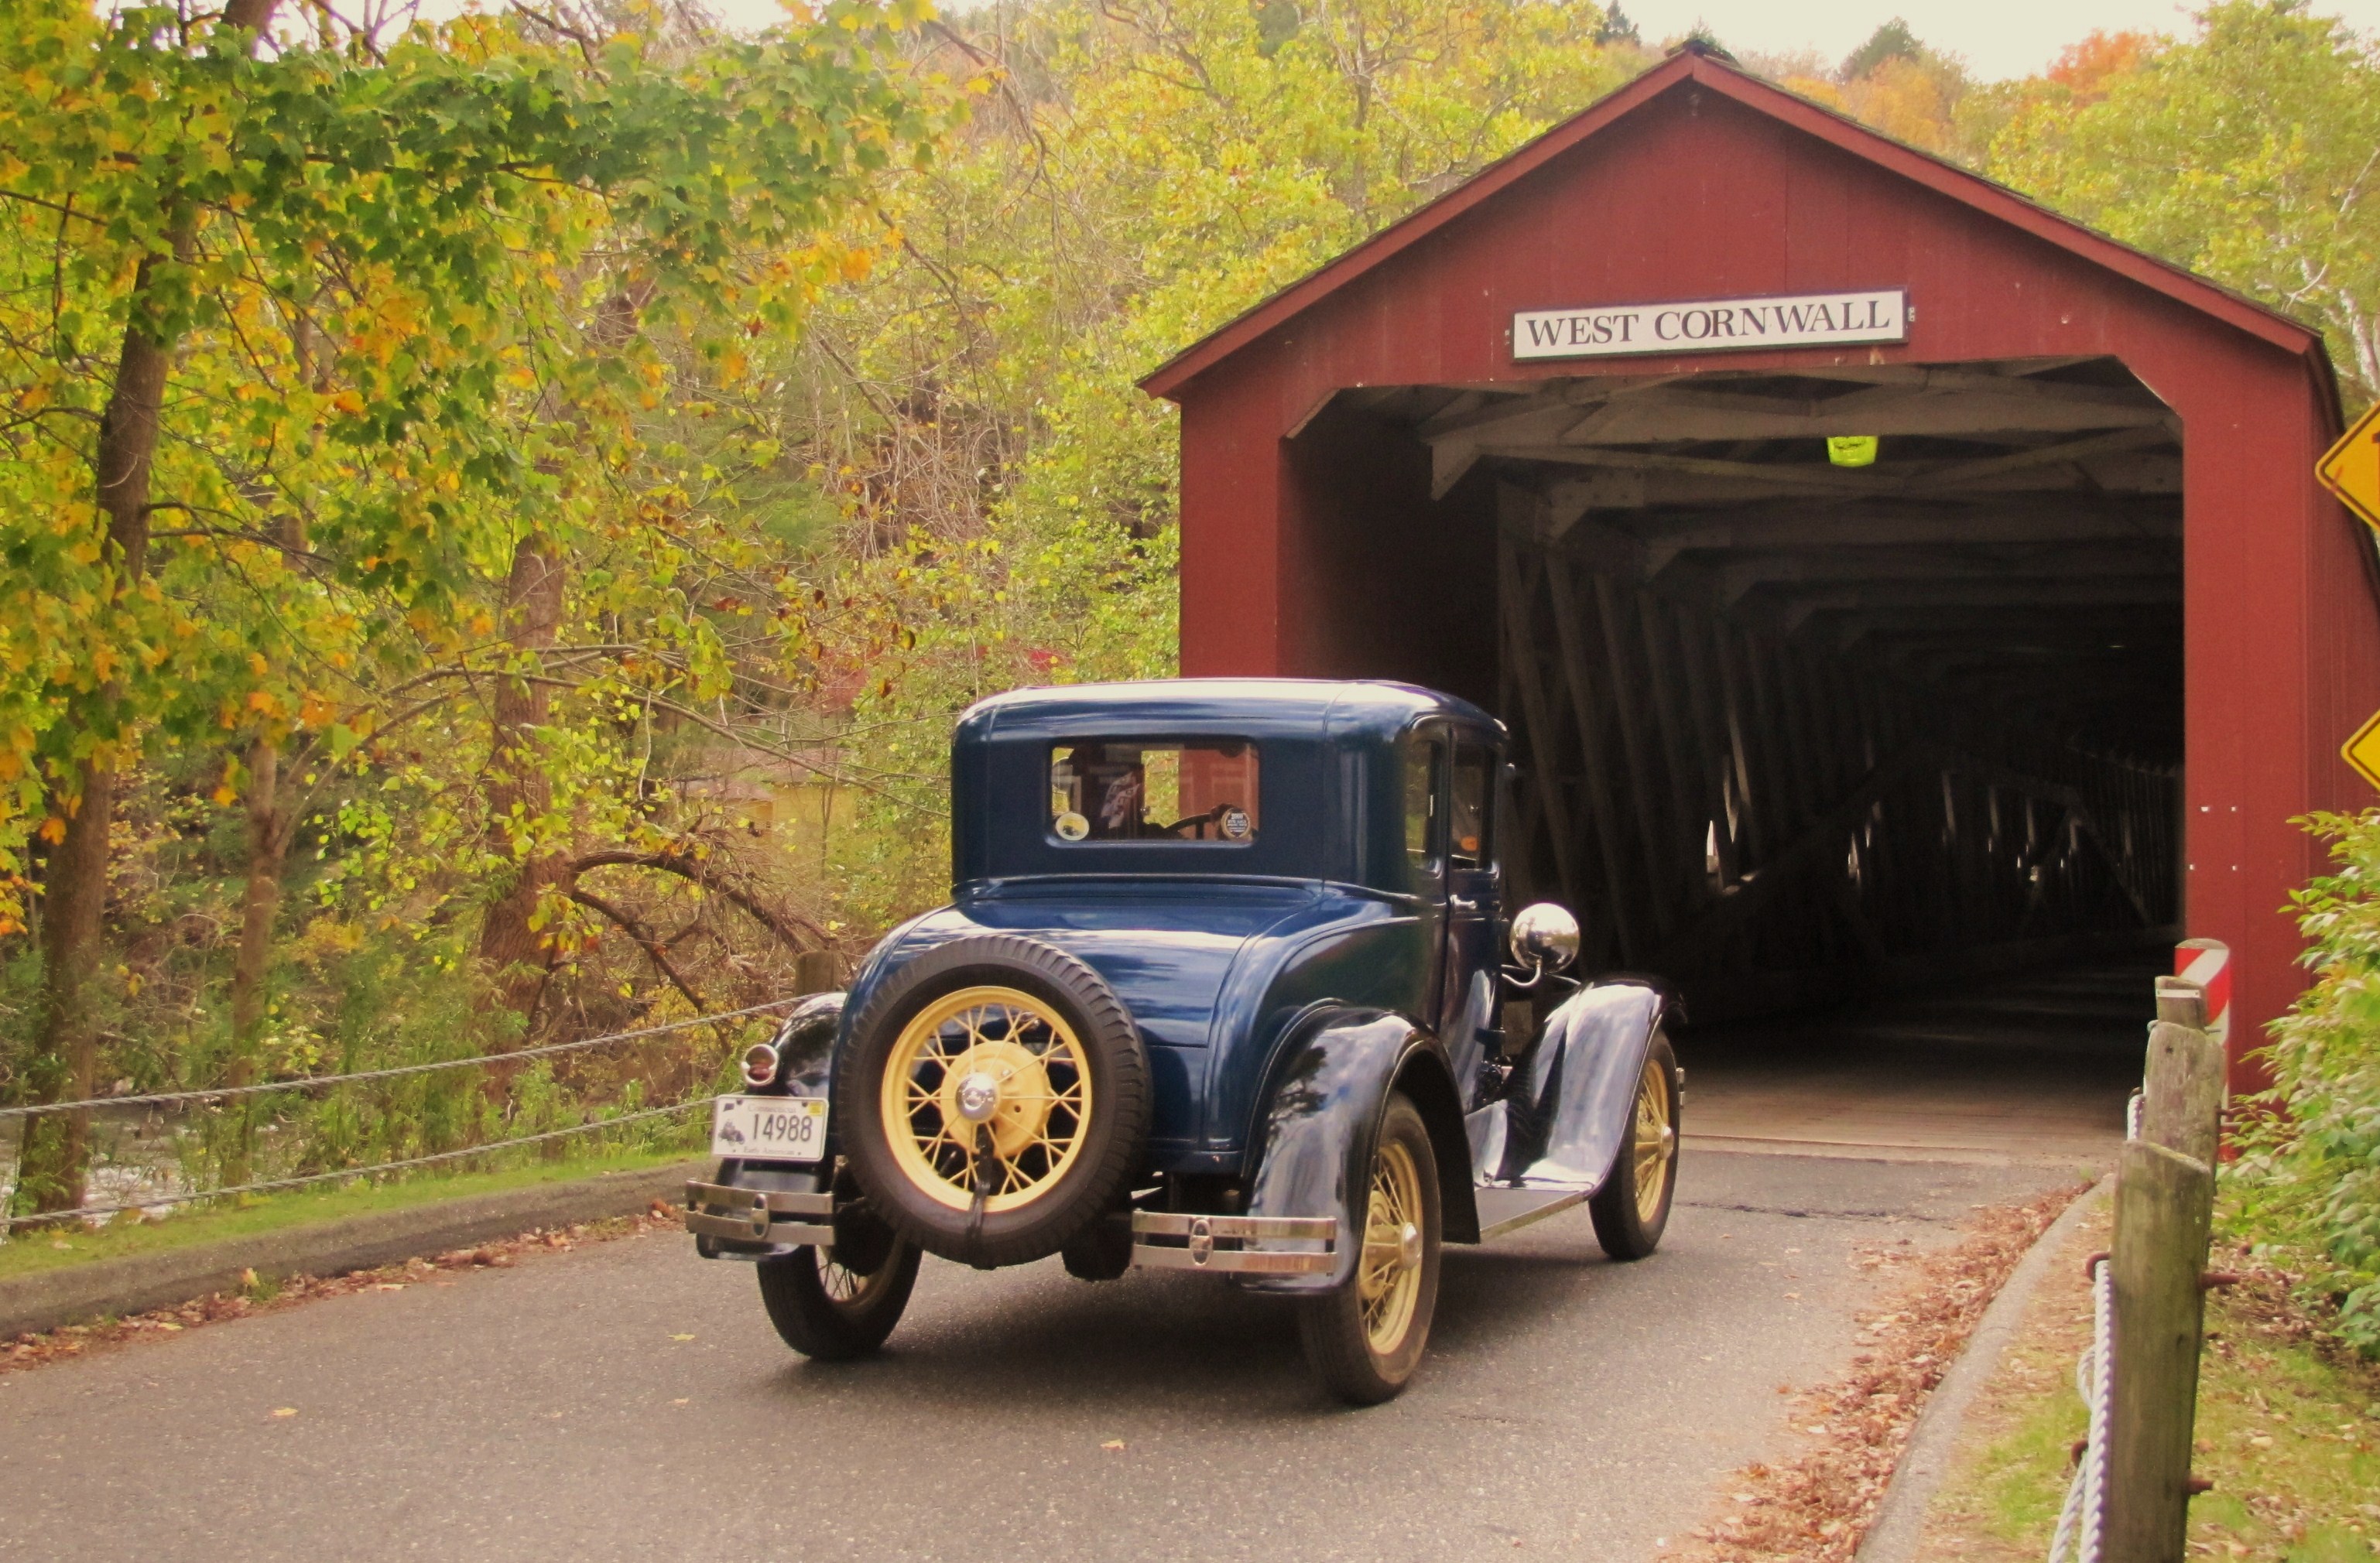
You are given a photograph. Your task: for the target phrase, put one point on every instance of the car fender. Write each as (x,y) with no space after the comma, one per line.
(805,1045)
(1322,1117)
(1571,1099)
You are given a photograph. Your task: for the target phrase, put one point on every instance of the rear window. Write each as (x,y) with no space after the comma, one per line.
(1153,789)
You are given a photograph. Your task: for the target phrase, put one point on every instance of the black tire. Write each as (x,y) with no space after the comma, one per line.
(1340,1341)
(1107,1140)
(830,1311)
(1100,1252)
(1629,1215)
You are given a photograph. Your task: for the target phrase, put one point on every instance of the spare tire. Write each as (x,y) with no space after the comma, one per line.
(991,1097)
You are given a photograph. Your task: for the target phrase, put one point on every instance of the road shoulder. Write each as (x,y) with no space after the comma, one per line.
(47,1299)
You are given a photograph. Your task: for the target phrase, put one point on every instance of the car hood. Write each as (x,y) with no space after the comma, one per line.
(1165,950)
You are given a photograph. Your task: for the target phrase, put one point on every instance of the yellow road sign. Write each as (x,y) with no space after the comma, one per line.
(2362,751)
(2351,470)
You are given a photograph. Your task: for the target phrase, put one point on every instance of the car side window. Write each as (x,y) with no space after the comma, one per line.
(1423,756)
(1469,836)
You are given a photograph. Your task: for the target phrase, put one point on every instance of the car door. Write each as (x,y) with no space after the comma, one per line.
(1467,989)
(1423,763)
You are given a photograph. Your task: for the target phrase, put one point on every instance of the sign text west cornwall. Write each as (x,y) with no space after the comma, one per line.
(1712,325)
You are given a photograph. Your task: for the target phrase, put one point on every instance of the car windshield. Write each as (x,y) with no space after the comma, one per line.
(1134,788)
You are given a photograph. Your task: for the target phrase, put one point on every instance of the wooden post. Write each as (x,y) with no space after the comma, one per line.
(813,972)
(2165,1204)
(2181,1099)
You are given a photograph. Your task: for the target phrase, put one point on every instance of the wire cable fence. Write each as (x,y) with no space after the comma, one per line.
(27,1113)
(268,1184)
(220,1093)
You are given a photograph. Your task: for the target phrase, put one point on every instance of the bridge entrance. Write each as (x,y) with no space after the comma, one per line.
(2045,680)
(1788,731)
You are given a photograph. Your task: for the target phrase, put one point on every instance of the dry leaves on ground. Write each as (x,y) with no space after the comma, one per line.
(1816,1506)
(76,1340)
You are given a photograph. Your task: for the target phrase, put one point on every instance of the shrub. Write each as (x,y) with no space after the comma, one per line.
(2308,1186)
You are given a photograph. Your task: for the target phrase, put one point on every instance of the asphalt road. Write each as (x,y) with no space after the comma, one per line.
(627,1400)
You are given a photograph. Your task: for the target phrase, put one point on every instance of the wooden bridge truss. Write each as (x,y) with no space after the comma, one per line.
(1772,817)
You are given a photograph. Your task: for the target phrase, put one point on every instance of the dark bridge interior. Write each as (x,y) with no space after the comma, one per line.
(1789,730)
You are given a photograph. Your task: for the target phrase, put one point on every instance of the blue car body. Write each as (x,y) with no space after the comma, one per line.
(1285,983)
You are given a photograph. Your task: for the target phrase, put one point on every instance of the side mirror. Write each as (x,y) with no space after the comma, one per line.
(1545,938)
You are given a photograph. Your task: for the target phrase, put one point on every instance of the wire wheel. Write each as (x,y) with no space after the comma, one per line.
(986,1095)
(843,1286)
(1390,1278)
(1631,1208)
(1656,1146)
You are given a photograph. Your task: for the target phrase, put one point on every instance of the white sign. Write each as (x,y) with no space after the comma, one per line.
(1712,325)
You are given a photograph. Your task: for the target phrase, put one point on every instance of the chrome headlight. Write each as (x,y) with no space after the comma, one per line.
(1544,936)
(759,1065)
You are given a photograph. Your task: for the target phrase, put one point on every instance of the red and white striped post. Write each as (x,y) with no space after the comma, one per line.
(2207,962)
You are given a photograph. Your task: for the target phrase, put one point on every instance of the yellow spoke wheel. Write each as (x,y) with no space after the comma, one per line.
(1655,1148)
(986,1095)
(1631,1208)
(1364,1338)
(1388,1277)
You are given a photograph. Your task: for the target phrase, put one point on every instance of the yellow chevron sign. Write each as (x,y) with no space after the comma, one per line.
(2362,751)
(2351,470)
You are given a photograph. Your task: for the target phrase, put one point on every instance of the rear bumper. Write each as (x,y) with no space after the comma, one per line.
(742,1223)
(1234,1245)
(763,1216)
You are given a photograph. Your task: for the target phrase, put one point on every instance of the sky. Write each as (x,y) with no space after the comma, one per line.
(2001,39)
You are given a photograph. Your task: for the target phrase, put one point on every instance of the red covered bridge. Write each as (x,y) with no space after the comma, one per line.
(2049,676)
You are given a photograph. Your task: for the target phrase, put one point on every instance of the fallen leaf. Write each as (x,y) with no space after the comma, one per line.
(1113,1443)
(286,1411)
(681,1338)
(680,1401)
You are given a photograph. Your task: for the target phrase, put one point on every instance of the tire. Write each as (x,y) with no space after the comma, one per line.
(828,1311)
(1632,1206)
(1035,1044)
(1100,1252)
(1362,1348)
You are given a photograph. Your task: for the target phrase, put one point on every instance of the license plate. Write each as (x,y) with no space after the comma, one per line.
(769,1128)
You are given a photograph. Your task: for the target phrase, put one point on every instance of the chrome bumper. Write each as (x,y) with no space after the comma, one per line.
(731,1215)
(1162,1240)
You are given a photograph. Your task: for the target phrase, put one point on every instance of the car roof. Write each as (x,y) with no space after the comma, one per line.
(1156,705)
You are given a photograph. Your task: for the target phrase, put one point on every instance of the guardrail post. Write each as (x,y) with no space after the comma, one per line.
(2181,1097)
(2165,1210)
(813,972)
(2164,1203)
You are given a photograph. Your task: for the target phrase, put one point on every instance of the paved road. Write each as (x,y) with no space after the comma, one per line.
(1571,1406)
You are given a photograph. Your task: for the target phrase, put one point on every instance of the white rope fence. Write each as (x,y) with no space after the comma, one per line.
(2081,1521)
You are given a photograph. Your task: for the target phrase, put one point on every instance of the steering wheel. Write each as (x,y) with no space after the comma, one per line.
(1201,820)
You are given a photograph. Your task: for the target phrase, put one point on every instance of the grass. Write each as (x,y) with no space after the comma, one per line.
(34,1249)
(2288,1428)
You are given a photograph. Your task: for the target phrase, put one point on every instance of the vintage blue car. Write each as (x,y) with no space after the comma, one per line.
(1221,987)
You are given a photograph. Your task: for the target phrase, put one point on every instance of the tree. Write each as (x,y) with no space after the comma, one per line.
(1892,40)
(2250,152)
(418,221)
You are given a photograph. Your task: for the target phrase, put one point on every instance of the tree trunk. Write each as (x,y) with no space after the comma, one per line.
(75,888)
(514,954)
(65,1052)
(259,909)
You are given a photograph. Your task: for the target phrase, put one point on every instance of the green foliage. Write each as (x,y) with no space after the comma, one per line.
(1892,40)
(1145,173)
(2310,1183)
(2246,153)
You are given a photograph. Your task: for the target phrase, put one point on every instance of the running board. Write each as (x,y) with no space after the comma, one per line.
(1503,1210)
